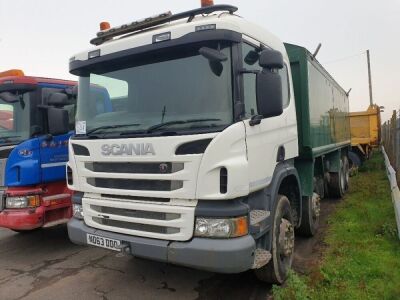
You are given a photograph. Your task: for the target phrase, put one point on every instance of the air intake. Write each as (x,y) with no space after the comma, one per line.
(69,176)
(80,150)
(195,147)
(223,180)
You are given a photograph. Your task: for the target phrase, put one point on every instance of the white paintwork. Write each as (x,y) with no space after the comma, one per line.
(248,153)
(181,28)
(185,222)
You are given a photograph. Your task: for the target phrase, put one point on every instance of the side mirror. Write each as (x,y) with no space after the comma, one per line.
(269,93)
(9,97)
(58,121)
(57,99)
(212,54)
(271,59)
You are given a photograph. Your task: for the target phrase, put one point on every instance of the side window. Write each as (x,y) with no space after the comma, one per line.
(250,62)
(6,117)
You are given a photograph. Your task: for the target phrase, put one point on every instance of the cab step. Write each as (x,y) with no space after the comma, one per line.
(261,258)
(257,216)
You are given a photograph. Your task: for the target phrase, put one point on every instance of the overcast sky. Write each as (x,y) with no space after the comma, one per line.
(40,36)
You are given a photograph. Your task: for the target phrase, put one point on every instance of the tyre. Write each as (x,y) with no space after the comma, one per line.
(346,171)
(282,247)
(354,160)
(337,183)
(310,216)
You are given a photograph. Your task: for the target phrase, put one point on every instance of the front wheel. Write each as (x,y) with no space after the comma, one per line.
(282,244)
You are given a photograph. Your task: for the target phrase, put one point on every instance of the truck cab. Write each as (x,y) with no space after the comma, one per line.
(36,121)
(195,164)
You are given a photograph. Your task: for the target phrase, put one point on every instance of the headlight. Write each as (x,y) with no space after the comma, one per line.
(221,228)
(77,211)
(22,201)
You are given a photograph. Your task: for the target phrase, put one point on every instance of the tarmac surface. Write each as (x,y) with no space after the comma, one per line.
(44,264)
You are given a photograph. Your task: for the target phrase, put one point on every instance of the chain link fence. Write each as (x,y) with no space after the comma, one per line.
(391,141)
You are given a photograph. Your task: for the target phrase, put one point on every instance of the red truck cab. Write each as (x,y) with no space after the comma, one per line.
(36,120)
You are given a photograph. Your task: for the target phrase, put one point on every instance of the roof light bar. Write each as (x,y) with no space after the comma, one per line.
(103,36)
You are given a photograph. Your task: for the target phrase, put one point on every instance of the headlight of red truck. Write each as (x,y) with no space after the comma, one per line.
(22,201)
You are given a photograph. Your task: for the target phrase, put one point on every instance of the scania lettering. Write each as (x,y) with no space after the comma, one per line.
(247,134)
(36,121)
(128,149)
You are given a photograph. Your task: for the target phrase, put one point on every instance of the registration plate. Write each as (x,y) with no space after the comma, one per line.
(103,242)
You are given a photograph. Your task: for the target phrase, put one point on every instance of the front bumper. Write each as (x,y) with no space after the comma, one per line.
(215,255)
(22,219)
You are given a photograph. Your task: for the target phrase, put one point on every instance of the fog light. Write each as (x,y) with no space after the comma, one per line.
(22,201)
(77,211)
(221,228)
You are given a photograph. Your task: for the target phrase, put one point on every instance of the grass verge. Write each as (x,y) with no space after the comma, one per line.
(362,257)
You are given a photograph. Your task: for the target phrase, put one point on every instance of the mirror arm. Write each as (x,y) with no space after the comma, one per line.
(255,120)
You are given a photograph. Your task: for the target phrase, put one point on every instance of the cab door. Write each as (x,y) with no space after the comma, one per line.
(54,149)
(265,139)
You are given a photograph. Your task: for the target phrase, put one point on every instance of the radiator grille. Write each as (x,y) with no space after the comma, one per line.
(134,168)
(136,184)
(135,213)
(136,226)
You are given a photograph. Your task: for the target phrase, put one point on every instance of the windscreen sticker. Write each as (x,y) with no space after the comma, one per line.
(80,127)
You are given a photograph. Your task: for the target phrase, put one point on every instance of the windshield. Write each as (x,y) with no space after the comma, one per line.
(176,90)
(15,120)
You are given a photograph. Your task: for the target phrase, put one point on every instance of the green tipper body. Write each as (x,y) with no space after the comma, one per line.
(323,123)
(322,106)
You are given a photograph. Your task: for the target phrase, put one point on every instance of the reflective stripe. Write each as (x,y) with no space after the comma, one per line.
(55,197)
(50,165)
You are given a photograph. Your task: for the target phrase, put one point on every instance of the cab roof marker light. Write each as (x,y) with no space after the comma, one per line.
(205,3)
(94,54)
(206,27)
(162,37)
(104,26)
(13,72)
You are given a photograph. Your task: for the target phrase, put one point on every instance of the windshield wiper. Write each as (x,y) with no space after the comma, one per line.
(177,122)
(9,137)
(110,127)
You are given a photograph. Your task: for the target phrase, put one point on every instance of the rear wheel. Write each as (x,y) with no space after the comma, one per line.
(282,244)
(310,216)
(337,182)
(355,160)
(346,170)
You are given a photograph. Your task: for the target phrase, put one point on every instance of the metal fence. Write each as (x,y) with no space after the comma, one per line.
(391,141)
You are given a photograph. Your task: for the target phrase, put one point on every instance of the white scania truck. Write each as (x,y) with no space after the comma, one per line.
(204,141)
